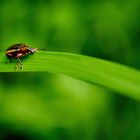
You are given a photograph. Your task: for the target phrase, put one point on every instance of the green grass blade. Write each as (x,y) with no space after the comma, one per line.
(120,78)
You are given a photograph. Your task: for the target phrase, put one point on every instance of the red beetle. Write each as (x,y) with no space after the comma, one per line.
(17,51)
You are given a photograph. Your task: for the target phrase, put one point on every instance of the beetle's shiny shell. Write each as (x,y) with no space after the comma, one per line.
(19,50)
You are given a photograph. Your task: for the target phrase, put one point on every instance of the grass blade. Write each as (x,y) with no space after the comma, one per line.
(117,77)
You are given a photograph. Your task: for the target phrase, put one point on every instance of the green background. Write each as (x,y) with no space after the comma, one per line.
(42,106)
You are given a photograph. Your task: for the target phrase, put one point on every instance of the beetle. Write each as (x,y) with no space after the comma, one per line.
(16,51)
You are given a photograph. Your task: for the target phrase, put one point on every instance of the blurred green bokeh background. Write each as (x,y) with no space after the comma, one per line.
(42,106)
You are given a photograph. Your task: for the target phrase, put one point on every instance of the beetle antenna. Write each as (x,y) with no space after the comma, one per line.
(19,61)
(44,49)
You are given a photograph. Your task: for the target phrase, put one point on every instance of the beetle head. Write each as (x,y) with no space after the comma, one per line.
(33,50)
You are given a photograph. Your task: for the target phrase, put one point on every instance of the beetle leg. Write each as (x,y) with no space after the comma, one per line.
(18,66)
(10,60)
(19,61)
